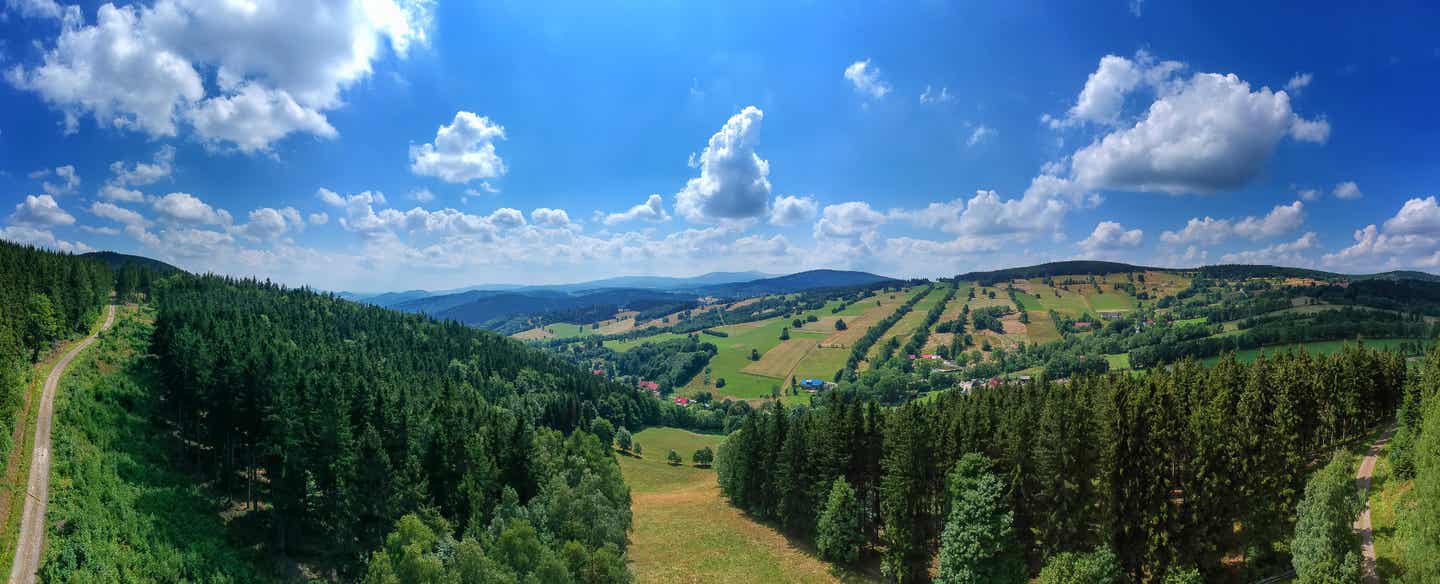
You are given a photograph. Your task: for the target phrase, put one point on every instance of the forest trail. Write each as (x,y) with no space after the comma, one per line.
(32,523)
(1362,523)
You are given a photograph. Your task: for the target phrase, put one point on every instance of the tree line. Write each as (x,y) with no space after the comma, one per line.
(357,416)
(1171,473)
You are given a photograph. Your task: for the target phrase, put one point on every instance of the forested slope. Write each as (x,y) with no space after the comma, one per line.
(335,419)
(1183,469)
(44,297)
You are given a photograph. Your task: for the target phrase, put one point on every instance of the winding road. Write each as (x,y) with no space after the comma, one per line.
(1362,523)
(32,523)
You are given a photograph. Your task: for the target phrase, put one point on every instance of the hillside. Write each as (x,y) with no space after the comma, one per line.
(811,280)
(118,260)
(1065,268)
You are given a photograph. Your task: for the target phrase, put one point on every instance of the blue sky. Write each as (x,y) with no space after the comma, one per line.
(388,144)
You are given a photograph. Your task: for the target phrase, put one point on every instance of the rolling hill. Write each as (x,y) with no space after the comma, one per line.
(118,260)
(797,282)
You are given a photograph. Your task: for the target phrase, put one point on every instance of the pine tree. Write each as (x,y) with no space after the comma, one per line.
(978,544)
(838,534)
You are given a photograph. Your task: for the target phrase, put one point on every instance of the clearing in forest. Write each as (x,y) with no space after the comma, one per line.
(685,531)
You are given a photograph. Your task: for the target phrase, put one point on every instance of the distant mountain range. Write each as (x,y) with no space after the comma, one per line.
(1100,268)
(393,299)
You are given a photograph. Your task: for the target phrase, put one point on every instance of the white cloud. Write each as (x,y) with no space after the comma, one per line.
(42,9)
(138,67)
(1416,217)
(1209,231)
(188,209)
(932,96)
(29,235)
(268,224)
(1347,190)
(67,181)
(851,220)
(1287,253)
(1308,194)
(546,217)
(791,210)
(866,79)
(463,151)
(1136,6)
(1104,94)
(1109,236)
(733,181)
(944,216)
(981,134)
(422,195)
(319,218)
(41,210)
(1207,134)
(253,117)
(119,193)
(1298,82)
(144,173)
(330,197)
(117,214)
(652,210)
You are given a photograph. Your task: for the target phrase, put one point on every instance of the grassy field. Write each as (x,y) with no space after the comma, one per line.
(1041,328)
(912,320)
(1118,361)
(622,346)
(684,531)
(1390,498)
(1315,348)
(781,360)
(1110,300)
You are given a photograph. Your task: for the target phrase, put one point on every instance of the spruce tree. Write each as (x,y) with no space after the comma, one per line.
(838,534)
(978,545)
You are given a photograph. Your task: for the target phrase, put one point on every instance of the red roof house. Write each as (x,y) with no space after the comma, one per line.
(651,386)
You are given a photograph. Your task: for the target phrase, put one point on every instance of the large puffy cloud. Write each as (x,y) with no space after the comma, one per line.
(1109,236)
(267,224)
(734,181)
(462,151)
(792,210)
(40,210)
(865,78)
(652,210)
(1210,231)
(851,220)
(546,217)
(277,64)
(1204,134)
(1409,239)
(254,117)
(186,208)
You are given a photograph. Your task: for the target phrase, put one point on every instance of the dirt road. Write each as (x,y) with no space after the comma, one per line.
(1362,523)
(32,523)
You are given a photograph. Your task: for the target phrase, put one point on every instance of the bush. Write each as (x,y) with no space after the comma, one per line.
(1096,567)
(1325,549)
(673,458)
(840,324)
(703,457)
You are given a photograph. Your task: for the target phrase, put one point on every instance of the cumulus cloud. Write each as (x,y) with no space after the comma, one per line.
(546,217)
(186,208)
(1308,194)
(865,78)
(268,224)
(734,181)
(1410,239)
(462,151)
(320,218)
(1288,253)
(65,177)
(1347,190)
(144,173)
(43,9)
(252,117)
(1204,134)
(1110,236)
(422,195)
(139,67)
(652,210)
(791,210)
(117,214)
(1416,217)
(40,210)
(118,193)
(31,235)
(1210,231)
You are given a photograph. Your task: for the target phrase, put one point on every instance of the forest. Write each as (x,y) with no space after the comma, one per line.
(333,420)
(45,297)
(1155,470)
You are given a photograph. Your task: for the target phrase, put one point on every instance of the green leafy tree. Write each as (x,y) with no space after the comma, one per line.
(623,439)
(604,430)
(785,334)
(978,544)
(638,449)
(1097,567)
(41,324)
(1325,549)
(840,324)
(839,536)
(703,457)
(673,458)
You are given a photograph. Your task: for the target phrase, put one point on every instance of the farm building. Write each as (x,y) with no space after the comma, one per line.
(682,401)
(650,386)
(812,384)
(1111,314)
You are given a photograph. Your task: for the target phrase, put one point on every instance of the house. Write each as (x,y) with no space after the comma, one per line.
(930,357)
(812,384)
(600,372)
(650,386)
(1082,325)
(1111,314)
(682,401)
